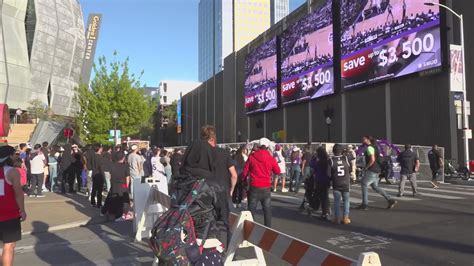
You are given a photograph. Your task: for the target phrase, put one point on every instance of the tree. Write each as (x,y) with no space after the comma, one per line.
(170,112)
(113,89)
(39,109)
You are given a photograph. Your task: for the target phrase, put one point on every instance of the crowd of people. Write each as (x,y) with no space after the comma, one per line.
(300,67)
(234,177)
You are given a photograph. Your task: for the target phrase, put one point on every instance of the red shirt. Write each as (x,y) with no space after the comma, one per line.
(260,165)
(8,208)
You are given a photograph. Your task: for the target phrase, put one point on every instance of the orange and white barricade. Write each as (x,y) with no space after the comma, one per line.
(247,233)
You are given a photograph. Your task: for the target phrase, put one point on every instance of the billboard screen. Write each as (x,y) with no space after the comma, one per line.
(307,57)
(384,39)
(261,78)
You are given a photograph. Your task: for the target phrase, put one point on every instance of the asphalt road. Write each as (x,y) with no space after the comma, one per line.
(435,228)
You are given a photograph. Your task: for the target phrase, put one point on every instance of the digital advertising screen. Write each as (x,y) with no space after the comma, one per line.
(307,57)
(384,39)
(261,78)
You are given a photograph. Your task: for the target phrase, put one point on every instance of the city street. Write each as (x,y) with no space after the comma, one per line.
(432,229)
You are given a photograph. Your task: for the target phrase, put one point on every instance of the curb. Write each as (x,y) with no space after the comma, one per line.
(81,223)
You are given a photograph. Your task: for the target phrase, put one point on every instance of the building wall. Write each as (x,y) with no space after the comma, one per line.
(172,89)
(251,18)
(280,9)
(15,82)
(57,52)
(415,109)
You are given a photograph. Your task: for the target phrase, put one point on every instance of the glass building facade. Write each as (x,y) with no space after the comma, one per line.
(15,75)
(49,41)
(226,26)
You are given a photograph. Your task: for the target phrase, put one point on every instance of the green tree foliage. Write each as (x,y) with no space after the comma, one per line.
(39,109)
(113,89)
(170,112)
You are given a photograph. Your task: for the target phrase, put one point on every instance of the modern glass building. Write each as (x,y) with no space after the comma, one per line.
(44,44)
(15,75)
(227,26)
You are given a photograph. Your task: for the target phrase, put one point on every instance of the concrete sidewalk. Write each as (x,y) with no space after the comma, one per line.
(59,211)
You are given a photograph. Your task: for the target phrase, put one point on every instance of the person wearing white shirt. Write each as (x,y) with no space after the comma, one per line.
(37,164)
(159,175)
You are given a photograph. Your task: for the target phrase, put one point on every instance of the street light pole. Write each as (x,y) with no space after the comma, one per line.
(464,87)
(115,116)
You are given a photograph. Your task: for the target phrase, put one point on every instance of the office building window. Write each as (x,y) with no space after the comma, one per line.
(164,99)
(165,87)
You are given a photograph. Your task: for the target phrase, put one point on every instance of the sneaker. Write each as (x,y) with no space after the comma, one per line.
(336,220)
(434,184)
(391,203)
(346,220)
(363,207)
(324,217)
(31,196)
(40,196)
(399,195)
(284,190)
(416,194)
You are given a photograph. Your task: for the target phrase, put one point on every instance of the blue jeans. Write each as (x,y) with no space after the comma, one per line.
(295,173)
(107,177)
(371,179)
(53,175)
(337,203)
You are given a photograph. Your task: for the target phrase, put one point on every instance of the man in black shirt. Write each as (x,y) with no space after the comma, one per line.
(88,155)
(436,164)
(225,180)
(175,161)
(410,164)
(97,168)
(118,196)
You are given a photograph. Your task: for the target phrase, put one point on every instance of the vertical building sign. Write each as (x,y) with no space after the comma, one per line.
(92,35)
(178,116)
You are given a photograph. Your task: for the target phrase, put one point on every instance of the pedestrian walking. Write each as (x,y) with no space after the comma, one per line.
(107,164)
(159,175)
(352,157)
(371,174)
(295,171)
(321,180)
(135,162)
(278,155)
(74,172)
(53,157)
(339,172)
(410,164)
(260,167)
(176,161)
(436,165)
(238,193)
(37,162)
(12,205)
(97,167)
(117,203)
(87,157)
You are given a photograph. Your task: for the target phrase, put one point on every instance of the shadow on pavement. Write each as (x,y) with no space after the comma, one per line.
(284,213)
(48,241)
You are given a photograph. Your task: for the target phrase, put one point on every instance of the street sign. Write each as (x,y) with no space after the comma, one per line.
(112,135)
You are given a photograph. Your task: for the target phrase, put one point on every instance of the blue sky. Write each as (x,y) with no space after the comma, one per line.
(159,36)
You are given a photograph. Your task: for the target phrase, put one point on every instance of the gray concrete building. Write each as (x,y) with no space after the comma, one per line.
(43,45)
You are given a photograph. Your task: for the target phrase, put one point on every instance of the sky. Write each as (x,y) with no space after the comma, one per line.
(160,37)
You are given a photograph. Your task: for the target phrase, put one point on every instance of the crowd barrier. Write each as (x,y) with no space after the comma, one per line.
(248,234)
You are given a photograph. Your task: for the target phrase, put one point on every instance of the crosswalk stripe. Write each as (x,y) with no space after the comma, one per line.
(444,191)
(428,194)
(299,200)
(372,193)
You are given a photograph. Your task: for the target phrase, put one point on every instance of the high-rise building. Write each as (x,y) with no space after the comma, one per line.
(42,48)
(228,25)
(170,90)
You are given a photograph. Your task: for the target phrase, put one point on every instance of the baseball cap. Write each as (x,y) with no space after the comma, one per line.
(295,149)
(264,142)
